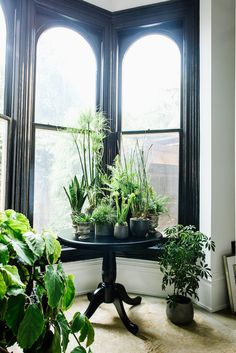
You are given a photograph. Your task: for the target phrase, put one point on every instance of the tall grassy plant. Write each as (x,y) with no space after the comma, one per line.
(88,138)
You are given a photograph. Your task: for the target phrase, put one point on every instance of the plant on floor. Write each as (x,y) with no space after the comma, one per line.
(88,138)
(183,262)
(32,300)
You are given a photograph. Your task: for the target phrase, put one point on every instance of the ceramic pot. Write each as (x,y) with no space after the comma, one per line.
(104,229)
(153,223)
(121,231)
(181,312)
(139,227)
(83,229)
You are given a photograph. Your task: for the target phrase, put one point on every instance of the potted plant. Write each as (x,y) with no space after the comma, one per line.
(35,291)
(121,229)
(139,223)
(88,138)
(104,218)
(76,195)
(82,222)
(156,207)
(183,264)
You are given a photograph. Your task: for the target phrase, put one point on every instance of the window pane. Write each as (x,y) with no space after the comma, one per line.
(3,160)
(163,165)
(151,76)
(2,58)
(56,163)
(65,77)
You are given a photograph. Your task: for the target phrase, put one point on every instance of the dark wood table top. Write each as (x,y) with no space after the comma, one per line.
(102,243)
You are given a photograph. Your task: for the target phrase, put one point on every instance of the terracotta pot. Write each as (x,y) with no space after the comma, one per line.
(139,227)
(121,231)
(180,312)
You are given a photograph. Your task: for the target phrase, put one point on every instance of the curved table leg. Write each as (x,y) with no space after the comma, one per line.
(96,299)
(121,311)
(125,297)
(91,294)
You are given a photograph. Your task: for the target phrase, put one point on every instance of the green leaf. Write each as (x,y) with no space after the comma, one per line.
(65,330)
(78,322)
(14,291)
(90,334)
(11,276)
(3,287)
(4,254)
(84,331)
(52,246)
(35,242)
(31,327)
(54,285)
(79,349)
(69,293)
(3,308)
(17,222)
(56,342)
(23,252)
(15,312)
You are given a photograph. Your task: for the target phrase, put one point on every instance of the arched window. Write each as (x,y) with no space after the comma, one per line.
(2,58)
(150,111)
(66,74)
(3,120)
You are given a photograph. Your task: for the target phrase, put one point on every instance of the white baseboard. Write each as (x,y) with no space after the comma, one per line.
(144,277)
(213,294)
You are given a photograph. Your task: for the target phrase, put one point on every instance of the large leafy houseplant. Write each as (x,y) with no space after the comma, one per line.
(35,291)
(183,263)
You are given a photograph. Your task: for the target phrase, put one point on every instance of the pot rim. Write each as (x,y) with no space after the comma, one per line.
(180,299)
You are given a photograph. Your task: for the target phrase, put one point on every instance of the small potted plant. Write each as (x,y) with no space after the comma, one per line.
(82,222)
(183,264)
(104,218)
(76,195)
(139,223)
(157,206)
(121,229)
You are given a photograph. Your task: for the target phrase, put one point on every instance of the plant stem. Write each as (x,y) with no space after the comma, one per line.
(4,350)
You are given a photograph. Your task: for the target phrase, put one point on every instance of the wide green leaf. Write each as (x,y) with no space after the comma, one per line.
(90,333)
(56,342)
(15,312)
(78,322)
(54,285)
(3,287)
(69,293)
(79,349)
(14,291)
(16,222)
(52,247)
(35,242)
(11,276)
(31,327)
(23,252)
(64,329)
(4,254)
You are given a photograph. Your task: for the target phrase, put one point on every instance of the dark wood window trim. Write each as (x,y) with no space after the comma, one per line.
(27,19)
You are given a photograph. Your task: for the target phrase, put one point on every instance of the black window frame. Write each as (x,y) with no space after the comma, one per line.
(25,19)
